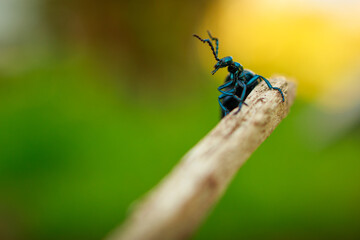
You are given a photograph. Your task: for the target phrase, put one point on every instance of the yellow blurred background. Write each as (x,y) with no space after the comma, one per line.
(99,100)
(316,42)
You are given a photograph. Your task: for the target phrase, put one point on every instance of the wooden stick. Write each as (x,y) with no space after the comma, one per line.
(176,207)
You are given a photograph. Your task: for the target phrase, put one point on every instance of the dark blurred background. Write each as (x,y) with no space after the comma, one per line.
(100,99)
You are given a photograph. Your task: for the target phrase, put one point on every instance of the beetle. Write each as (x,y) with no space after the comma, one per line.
(239,82)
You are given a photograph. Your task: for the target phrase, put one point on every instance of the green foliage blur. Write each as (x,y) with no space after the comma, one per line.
(99,100)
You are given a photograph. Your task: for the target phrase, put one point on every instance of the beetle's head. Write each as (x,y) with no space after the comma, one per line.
(233,67)
(224,62)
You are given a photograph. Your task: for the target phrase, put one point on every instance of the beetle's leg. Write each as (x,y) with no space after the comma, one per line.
(216,42)
(230,92)
(253,79)
(225,85)
(243,85)
(226,111)
(256,77)
(275,88)
(239,82)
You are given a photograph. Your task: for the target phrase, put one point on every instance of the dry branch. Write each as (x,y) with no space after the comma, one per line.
(175,208)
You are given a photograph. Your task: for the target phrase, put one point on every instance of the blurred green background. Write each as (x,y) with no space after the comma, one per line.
(99,100)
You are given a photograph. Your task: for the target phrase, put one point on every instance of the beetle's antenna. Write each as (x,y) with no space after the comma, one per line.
(216,42)
(210,44)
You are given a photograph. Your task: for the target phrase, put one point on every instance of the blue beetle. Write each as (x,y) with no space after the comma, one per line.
(239,82)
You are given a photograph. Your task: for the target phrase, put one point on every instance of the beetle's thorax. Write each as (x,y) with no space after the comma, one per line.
(232,68)
(235,67)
